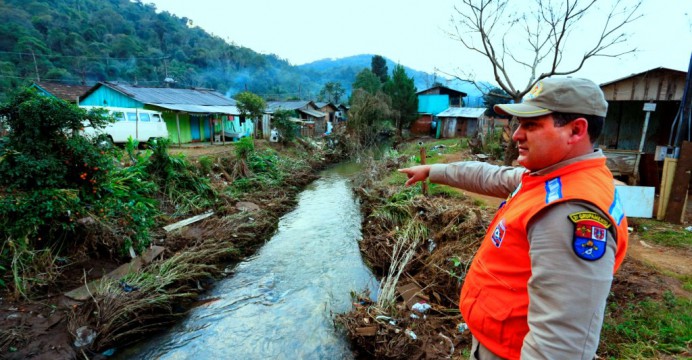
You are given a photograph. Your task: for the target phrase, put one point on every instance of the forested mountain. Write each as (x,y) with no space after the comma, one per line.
(86,41)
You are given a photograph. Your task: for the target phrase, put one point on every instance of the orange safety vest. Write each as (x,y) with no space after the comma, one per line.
(494,298)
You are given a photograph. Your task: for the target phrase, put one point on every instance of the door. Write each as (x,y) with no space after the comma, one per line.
(194,128)
(207,127)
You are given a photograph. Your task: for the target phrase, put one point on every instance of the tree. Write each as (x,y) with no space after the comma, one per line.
(379,68)
(488,27)
(368,81)
(365,117)
(331,92)
(401,90)
(493,97)
(252,106)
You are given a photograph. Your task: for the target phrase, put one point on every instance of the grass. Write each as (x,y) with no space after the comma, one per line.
(648,329)
(662,233)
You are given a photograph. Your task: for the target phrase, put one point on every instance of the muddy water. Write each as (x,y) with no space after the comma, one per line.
(279,304)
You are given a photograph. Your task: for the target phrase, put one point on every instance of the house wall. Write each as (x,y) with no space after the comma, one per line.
(422,125)
(453,127)
(432,104)
(655,85)
(104,96)
(625,121)
(185,134)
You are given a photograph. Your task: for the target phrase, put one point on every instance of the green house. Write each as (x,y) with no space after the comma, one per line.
(191,115)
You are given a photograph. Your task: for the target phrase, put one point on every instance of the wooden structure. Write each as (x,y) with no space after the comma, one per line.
(625,129)
(69,93)
(459,122)
(312,121)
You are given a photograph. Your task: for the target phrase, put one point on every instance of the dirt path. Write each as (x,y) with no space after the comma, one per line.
(675,260)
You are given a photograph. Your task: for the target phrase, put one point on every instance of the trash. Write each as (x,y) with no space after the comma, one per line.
(689,228)
(108,352)
(421,307)
(410,334)
(431,245)
(127,287)
(414,316)
(630,229)
(462,327)
(84,336)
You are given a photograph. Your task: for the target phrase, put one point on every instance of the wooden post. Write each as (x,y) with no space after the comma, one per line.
(177,124)
(675,210)
(422,161)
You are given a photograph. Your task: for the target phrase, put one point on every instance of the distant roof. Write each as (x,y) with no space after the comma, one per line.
(159,96)
(465,112)
(442,89)
(320,105)
(65,92)
(643,72)
(286,105)
(314,113)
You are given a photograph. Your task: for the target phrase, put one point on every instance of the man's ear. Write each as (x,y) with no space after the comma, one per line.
(580,129)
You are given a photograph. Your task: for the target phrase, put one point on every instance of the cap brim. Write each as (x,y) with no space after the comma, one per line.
(521,110)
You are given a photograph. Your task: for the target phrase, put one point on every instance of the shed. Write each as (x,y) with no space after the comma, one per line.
(191,115)
(625,136)
(69,93)
(459,122)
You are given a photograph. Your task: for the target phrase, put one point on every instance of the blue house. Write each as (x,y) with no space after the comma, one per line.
(433,101)
(191,115)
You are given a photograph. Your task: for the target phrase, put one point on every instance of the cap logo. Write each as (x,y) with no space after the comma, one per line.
(537,90)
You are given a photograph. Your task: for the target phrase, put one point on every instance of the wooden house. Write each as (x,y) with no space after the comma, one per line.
(342,113)
(329,109)
(69,93)
(312,121)
(628,140)
(459,122)
(191,115)
(431,102)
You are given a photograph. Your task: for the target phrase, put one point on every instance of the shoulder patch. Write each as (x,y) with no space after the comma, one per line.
(590,235)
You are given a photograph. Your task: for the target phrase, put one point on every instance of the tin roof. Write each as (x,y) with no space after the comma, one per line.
(149,95)
(286,105)
(314,113)
(464,112)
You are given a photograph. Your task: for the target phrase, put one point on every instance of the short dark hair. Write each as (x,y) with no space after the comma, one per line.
(595,122)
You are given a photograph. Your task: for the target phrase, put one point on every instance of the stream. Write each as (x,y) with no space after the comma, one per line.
(279,303)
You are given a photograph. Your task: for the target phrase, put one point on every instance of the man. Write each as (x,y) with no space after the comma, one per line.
(538,284)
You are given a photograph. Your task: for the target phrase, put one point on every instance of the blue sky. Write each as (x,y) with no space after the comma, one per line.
(412,32)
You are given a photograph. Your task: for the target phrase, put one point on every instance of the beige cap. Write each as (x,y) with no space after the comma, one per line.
(565,95)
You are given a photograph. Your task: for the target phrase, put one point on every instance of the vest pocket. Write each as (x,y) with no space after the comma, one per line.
(499,324)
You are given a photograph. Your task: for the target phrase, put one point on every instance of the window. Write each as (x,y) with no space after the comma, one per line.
(131,116)
(119,116)
(144,117)
(156,117)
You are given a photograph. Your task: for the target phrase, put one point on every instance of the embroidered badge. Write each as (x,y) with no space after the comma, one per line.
(537,90)
(590,235)
(499,233)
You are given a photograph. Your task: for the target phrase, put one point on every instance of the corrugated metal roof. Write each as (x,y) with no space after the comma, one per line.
(201,109)
(286,105)
(173,96)
(462,112)
(314,113)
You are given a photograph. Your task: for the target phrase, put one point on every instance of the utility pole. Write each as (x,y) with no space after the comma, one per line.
(38,77)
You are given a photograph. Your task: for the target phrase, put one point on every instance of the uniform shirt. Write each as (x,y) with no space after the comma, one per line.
(566,311)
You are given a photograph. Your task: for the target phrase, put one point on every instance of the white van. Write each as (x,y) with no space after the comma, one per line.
(140,124)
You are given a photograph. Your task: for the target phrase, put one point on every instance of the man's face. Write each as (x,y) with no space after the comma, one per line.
(540,142)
